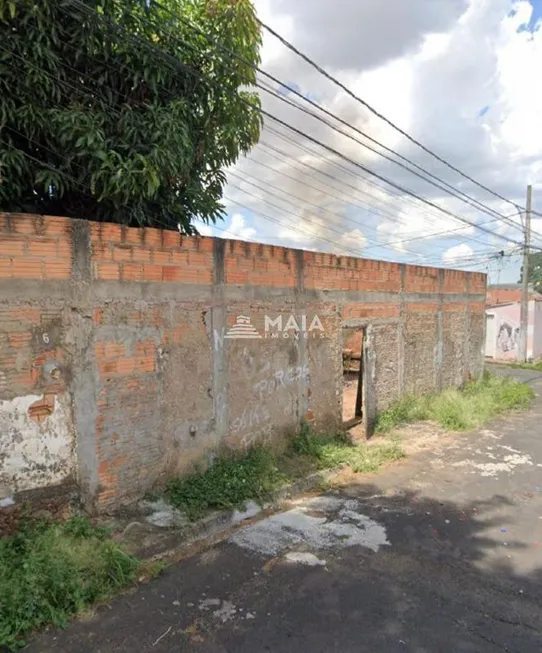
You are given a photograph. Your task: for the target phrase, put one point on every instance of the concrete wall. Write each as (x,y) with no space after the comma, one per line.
(119,367)
(537,331)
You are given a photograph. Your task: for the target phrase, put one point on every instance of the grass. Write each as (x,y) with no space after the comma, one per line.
(328,451)
(536,366)
(234,479)
(459,410)
(51,571)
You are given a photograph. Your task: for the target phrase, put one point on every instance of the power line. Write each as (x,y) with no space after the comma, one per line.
(310,235)
(335,81)
(305,99)
(269,115)
(490,255)
(466,259)
(370,172)
(442,186)
(378,210)
(376,243)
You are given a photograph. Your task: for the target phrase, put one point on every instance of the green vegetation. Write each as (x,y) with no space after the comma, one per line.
(233,479)
(535,271)
(329,451)
(535,367)
(125,111)
(49,572)
(227,483)
(459,410)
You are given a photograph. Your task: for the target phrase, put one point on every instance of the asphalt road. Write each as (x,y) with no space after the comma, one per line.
(441,553)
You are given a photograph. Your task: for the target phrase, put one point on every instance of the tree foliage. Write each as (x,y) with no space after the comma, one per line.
(535,271)
(119,110)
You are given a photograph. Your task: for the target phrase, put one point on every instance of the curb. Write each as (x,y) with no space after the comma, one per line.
(151,542)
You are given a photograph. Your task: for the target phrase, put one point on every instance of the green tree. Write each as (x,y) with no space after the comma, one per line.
(535,271)
(120,110)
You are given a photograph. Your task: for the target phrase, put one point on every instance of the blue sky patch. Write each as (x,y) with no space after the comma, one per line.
(286,91)
(283,90)
(536,17)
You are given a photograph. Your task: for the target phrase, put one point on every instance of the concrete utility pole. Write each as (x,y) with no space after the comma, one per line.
(524,316)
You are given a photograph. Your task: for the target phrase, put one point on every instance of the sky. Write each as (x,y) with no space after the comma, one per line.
(460,76)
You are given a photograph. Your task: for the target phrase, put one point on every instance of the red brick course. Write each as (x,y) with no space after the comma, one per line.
(35,247)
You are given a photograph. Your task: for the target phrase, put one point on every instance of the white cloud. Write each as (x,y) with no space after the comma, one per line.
(203,228)
(456,74)
(354,30)
(457,254)
(351,243)
(238,229)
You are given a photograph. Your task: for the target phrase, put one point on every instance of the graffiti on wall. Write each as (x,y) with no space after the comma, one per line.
(508,337)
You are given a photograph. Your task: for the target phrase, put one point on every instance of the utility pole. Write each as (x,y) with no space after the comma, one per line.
(524,316)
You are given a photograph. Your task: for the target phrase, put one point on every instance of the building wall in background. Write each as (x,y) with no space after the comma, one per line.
(537,331)
(502,339)
(121,365)
(499,295)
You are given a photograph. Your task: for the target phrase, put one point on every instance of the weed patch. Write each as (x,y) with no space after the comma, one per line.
(329,451)
(49,572)
(234,479)
(459,410)
(535,367)
(228,483)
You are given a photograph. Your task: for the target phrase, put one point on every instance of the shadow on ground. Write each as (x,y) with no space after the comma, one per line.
(452,579)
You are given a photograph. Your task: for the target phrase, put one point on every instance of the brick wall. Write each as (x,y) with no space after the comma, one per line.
(497,295)
(119,369)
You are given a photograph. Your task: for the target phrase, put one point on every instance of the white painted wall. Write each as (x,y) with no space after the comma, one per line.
(491,335)
(34,455)
(537,331)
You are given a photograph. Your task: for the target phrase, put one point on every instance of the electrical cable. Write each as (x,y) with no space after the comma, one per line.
(383,179)
(337,153)
(335,81)
(455,193)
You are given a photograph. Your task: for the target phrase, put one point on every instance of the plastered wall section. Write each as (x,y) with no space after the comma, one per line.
(123,365)
(37,439)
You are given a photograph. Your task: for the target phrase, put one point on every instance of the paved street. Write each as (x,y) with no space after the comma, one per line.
(440,553)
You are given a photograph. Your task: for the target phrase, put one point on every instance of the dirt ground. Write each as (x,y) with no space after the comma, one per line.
(350,391)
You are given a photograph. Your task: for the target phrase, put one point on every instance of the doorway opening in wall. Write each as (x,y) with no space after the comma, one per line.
(352,376)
